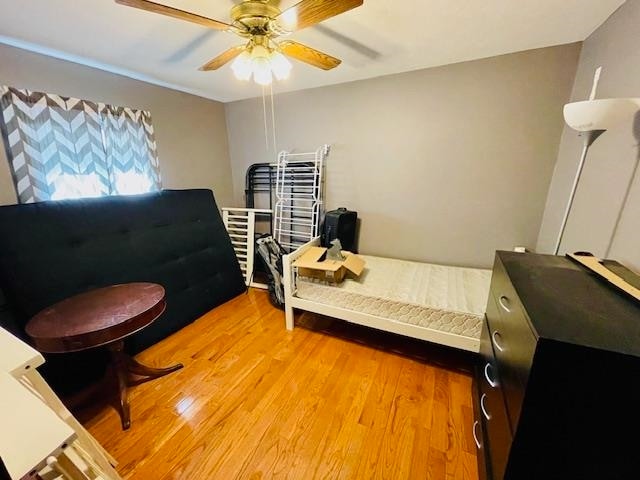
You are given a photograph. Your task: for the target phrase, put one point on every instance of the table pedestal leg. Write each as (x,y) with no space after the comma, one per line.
(124,364)
(120,366)
(144,371)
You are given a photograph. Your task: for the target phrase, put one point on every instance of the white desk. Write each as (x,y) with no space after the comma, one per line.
(19,362)
(16,357)
(31,432)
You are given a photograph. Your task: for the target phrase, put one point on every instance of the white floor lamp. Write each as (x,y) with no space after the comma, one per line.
(592,118)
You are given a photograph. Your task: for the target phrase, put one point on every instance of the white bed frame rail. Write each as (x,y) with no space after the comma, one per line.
(289,278)
(373,321)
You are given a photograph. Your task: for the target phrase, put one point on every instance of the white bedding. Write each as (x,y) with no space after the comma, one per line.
(449,299)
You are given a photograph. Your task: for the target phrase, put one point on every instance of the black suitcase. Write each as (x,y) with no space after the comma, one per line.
(340,224)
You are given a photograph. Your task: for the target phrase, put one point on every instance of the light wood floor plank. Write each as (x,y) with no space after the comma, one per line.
(329,400)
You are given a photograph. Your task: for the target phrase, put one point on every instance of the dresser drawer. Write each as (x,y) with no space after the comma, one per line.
(484,470)
(512,340)
(491,406)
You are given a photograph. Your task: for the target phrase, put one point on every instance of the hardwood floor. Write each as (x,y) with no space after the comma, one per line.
(327,401)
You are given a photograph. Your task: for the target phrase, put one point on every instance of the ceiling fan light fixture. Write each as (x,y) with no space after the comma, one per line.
(262,71)
(242,66)
(280,66)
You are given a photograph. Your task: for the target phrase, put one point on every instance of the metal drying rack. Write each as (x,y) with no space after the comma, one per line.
(299,197)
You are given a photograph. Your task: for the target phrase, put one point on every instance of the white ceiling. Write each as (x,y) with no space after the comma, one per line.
(379,38)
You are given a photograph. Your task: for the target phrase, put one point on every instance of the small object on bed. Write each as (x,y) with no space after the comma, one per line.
(335,251)
(315,263)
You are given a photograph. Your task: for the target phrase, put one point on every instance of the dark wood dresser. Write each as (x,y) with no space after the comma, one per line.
(558,386)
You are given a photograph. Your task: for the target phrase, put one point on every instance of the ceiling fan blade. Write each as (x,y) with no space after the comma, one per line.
(309,55)
(223,58)
(309,12)
(175,13)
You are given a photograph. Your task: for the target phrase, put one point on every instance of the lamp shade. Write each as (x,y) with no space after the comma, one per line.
(600,114)
(280,66)
(241,66)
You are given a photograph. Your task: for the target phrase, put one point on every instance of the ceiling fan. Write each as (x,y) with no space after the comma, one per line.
(260,23)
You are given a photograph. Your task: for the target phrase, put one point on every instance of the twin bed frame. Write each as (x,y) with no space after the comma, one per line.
(381,323)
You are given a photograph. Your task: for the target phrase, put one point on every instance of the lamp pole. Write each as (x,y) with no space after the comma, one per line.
(589,138)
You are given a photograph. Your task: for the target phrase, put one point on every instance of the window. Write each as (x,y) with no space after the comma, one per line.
(61,148)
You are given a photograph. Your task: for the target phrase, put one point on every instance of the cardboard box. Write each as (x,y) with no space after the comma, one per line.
(310,264)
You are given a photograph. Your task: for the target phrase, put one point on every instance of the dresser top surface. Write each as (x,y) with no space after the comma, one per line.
(568,303)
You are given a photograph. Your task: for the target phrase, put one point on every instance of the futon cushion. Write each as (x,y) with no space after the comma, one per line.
(52,250)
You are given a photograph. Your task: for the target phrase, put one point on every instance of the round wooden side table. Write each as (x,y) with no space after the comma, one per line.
(103,317)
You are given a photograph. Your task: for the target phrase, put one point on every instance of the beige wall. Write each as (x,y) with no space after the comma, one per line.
(609,166)
(191,132)
(446,164)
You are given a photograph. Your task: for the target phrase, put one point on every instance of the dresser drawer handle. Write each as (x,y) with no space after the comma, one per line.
(483,408)
(495,336)
(490,381)
(475,435)
(504,303)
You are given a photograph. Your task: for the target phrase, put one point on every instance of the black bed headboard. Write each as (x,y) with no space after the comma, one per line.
(52,250)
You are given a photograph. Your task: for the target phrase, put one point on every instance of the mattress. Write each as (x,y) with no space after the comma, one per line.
(439,297)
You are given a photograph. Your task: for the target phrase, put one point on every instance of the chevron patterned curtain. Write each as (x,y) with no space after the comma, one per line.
(130,147)
(60,147)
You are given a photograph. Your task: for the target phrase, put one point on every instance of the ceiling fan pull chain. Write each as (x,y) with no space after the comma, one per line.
(264,112)
(273,120)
